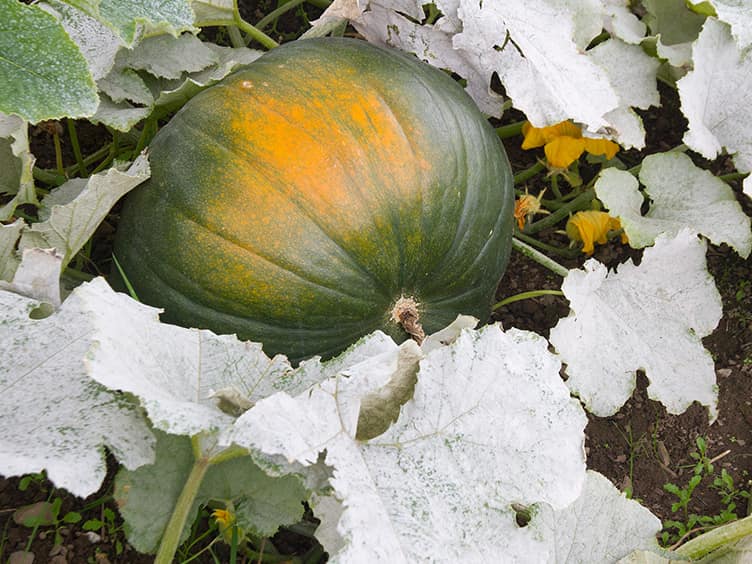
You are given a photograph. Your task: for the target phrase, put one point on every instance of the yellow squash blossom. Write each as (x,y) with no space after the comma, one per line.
(226,520)
(526,206)
(563,143)
(592,227)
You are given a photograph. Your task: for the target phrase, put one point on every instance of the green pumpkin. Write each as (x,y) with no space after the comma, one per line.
(298,200)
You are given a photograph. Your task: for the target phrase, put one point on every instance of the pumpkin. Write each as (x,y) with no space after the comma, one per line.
(297,201)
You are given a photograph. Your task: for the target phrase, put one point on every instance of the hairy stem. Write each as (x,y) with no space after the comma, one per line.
(526,296)
(539,257)
(171,538)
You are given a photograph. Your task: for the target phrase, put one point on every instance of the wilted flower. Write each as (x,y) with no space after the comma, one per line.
(563,143)
(592,227)
(526,206)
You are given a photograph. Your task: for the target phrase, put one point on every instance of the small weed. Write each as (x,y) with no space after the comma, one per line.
(676,531)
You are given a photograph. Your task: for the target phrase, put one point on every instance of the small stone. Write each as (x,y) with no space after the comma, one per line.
(621,459)
(93,537)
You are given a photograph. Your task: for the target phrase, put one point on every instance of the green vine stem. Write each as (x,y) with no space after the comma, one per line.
(174,529)
(510,130)
(569,253)
(529,172)
(235,36)
(251,31)
(274,14)
(733,176)
(526,296)
(581,202)
(717,538)
(539,257)
(76,147)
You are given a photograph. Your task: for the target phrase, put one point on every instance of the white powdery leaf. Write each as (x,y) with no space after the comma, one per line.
(53,415)
(168,57)
(738,14)
(621,23)
(9,235)
(715,96)
(682,195)
(174,371)
(16,164)
(650,317)
(601,526)
(490,424)
(69,226)
(632,74)
(37,276)
(118,115)
(544,72)
(97,42)
(213,12)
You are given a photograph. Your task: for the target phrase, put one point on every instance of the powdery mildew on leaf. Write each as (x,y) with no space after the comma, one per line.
(37,276)
(490,423)
(16,164)
(682,196)
(42,73)
(537,49)
(97,42)
(738,14)
(126,17)
(649,317)
(715,97)
(9,261)
(53,415)
(69,226)
(602,525)
(178,69)
(213,11)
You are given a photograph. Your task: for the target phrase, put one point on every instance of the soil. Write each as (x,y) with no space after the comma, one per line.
(639,449)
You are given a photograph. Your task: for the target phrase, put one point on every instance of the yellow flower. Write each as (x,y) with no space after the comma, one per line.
(526,206)
(563,143)
(226,520)
(592,227)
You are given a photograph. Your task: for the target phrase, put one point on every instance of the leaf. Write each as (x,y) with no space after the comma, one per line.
(672,20)
(16,165)
(632,75)
(37,276)
(174,371)
(9,235)
(53,415)
(714,97)
(542,61)
(97,42)
(128,17)
(213,12)
(650,317)
(168,57)
(490,424)
(147,496)
(738,15)
(682,196)
(180,69)
(69,226)
(602,525)
(42,73)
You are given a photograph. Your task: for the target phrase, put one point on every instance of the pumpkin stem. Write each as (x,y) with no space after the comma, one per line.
(405,313)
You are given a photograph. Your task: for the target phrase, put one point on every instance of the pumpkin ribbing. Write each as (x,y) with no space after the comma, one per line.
(294,202)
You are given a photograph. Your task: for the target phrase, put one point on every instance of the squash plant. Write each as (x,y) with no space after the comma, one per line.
(467,447)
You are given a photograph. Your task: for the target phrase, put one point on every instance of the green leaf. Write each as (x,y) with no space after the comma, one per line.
(146,496)
(75,209)
(43,75)
(126,17)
